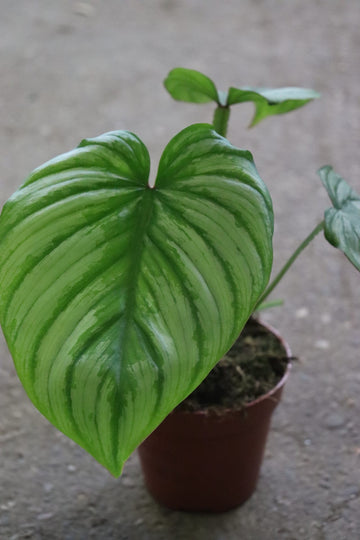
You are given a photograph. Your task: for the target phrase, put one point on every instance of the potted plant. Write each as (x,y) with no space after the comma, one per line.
(118,297)
(207,454)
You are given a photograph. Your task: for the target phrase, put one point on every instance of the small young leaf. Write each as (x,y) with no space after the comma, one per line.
(190,85)
(271,101)
(342,222)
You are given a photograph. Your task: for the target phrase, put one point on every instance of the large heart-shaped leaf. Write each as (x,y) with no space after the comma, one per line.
(342,222)
(271,101)
(117,299)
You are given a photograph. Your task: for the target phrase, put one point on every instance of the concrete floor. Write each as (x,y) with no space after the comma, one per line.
(71,70)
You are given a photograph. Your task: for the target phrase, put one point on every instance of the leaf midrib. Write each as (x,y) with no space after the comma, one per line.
(144,210)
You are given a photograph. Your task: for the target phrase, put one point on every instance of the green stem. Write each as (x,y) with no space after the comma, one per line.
(290,261)
(221,119)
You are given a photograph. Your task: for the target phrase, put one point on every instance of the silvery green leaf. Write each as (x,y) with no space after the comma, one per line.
(342,222)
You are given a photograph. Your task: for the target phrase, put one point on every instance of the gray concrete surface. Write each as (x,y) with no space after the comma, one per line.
(73,69)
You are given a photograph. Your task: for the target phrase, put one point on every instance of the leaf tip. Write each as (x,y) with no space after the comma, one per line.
(324,170)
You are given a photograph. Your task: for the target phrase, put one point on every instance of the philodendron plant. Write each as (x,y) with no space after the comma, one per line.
(118,296)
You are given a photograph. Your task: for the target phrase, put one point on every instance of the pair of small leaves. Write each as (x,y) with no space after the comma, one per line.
(192,86)
(342,221)
(118,299)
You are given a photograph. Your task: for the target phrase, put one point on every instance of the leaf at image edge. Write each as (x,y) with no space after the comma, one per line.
(342,221)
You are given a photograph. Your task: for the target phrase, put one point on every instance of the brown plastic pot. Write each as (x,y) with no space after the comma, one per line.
(206,462)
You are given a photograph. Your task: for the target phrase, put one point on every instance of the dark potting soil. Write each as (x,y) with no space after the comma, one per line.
(252,367)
